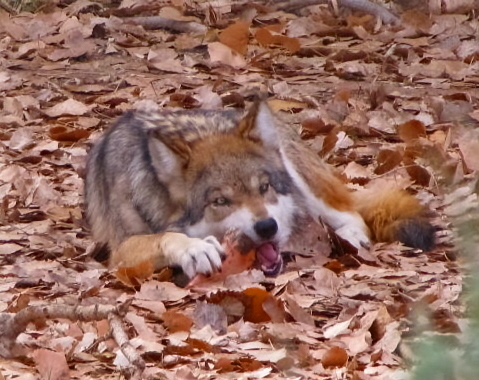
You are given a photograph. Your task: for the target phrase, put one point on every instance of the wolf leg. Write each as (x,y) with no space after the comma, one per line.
(193,255)
(324,195)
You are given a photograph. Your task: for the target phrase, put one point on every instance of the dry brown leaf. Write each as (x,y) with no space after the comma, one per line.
(66,108)
(175,321)
(418,174)
(220,53)
(313,127)
(411,130)
(251,300)
(134,276)
(335,357)
(469,146)
(166,60)
(266,37)
(21,138)
(285,105)
(329,142)
(224,365)
(51,365)
(68,134)
(161,291)
(298,313)
(387,160)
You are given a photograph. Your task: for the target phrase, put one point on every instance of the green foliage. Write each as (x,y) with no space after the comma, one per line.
(26,5)
(439,356)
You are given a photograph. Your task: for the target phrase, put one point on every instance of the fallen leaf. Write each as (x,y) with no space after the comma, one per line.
(235,262)
(51,365)
(175,321)
(266,37)
(387,160)
(134,276)
(68,107)
(335,357)
(236,36)
(223,54)
(224,365)
(161,291)
(68,134)
(411,130)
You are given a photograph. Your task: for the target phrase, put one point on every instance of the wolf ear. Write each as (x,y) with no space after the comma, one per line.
(171,148)
(259,125)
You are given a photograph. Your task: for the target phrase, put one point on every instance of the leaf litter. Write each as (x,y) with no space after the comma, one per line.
(384,104)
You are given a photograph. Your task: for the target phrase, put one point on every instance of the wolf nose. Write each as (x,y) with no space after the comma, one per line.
(266,228)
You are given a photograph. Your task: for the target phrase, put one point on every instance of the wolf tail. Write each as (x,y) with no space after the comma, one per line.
(395,215)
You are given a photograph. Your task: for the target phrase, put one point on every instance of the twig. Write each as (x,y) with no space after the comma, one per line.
(126,348)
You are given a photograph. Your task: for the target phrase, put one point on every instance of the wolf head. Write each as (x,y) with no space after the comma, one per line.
(235,180)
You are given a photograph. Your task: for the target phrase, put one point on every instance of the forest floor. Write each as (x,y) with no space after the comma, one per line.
(384,104)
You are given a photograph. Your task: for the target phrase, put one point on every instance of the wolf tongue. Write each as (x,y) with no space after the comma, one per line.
(267,254)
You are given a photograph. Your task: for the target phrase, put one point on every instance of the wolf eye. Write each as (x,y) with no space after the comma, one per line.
(221,201)
(263,188)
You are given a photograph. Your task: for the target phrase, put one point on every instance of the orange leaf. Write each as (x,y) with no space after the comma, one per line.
(387,160)
(314,126)
(411,130)
(254,312)
(335,357)
(236,36)
(252,300)
(223,365)
(329,142)
(419,174)
(175,321)
(235,262)
(132,276)
(264,37)
(200,345)
(68,133)
(291,44)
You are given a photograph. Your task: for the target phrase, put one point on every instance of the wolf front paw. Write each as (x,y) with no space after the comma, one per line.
(200,256)
(355,235)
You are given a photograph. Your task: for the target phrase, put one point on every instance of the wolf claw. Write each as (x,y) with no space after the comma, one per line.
(201,256)
(354,235)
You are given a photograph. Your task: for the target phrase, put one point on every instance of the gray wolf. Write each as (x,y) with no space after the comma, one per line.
(188,177)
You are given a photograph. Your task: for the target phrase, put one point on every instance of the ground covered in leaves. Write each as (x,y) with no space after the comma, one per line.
(385,104)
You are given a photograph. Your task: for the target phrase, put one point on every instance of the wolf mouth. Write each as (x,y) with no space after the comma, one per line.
(269,259)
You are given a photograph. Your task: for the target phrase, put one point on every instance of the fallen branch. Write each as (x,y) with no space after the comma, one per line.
(8,8)
(11,325)
(366,6)
(126,348)
(157,22)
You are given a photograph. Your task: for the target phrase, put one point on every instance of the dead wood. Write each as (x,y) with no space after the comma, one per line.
(126,348)
(366,6)
(11,325)
(8,8)
(157,22)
